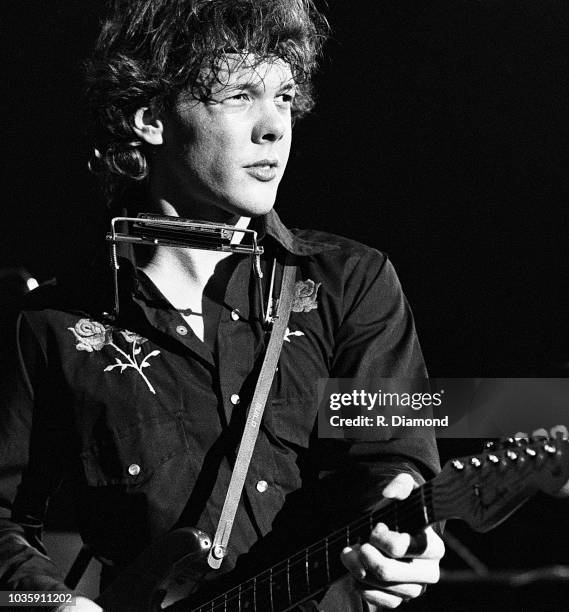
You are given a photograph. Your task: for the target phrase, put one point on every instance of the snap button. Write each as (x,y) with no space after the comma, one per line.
(262,486)
(235,314)
(134,469)
(235,399)
(182,330)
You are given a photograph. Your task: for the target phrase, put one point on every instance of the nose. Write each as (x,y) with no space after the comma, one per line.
(271,123)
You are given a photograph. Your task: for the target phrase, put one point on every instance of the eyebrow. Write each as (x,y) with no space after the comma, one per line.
(258,85)
(288,86)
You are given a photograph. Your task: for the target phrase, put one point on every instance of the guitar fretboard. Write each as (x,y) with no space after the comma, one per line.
(304,574)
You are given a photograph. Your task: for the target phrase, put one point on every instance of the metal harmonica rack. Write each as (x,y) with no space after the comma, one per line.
(175,232)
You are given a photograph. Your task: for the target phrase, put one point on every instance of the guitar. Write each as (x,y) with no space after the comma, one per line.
(482,490)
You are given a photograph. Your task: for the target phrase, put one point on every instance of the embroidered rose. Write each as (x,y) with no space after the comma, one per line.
(90,335)
(93,336)
(132,337)
(289,333)
(305,293)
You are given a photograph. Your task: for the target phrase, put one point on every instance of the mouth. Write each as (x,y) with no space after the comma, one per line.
(263,170)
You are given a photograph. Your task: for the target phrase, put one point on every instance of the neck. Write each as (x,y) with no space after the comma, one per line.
(164,200)
(181,274)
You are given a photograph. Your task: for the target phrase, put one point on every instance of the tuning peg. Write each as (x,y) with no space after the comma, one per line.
(539,435)
(512,455)
(504,443)
(493,459)
(475,462)
(550,449)
(530,452)
(489,445)
(559,432)
(457,465)
(521,438)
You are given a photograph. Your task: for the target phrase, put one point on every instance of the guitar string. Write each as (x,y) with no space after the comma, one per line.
(337,536)
(381,513)
(334,538)
(408,511)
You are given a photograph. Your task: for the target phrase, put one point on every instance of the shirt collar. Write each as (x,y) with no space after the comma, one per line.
(134,281)
(271,225)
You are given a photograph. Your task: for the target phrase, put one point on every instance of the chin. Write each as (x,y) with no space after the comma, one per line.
(258,211)
(253,207)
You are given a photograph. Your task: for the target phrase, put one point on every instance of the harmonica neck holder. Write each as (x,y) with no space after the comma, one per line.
(175,232)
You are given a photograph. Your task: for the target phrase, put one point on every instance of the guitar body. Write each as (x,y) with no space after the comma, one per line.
(165,572)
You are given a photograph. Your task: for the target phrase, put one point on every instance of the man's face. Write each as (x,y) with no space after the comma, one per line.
(226,156)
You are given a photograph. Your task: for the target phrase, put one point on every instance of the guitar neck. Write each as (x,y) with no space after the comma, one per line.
(304,574)
(482,490)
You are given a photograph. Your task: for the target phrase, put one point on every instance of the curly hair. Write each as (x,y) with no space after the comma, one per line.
(149,51)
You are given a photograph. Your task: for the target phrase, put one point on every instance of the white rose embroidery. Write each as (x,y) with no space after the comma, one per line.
(93,336)
(289,333)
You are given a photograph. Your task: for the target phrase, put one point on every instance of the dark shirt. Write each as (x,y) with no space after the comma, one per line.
(144,418)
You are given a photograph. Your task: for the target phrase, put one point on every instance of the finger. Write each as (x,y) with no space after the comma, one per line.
(400,487)
(382,599)
(425,545)
(383,569)
(405,591)
(350,557)
(392,543)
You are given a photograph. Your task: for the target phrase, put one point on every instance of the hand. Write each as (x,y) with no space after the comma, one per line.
(385,580)
(82,604)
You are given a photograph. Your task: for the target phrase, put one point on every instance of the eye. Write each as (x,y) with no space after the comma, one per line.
(237,98)
(285,99)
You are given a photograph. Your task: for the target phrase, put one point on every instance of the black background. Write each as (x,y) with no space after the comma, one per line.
(440,136)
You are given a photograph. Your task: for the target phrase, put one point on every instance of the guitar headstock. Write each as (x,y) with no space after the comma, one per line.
(485,489)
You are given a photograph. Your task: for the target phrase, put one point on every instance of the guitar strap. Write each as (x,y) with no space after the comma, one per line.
(219,547)
(220,541)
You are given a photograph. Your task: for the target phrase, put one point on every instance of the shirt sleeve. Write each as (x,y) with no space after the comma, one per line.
(376,338)
(31,462)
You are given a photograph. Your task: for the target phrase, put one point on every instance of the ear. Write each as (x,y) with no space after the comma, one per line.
(147,126)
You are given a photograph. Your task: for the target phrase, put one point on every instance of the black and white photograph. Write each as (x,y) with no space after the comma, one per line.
(233,231)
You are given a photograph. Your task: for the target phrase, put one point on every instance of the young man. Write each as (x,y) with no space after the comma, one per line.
(194,102)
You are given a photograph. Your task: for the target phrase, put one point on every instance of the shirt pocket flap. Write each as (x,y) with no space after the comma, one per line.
(131,456)
(292,418)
